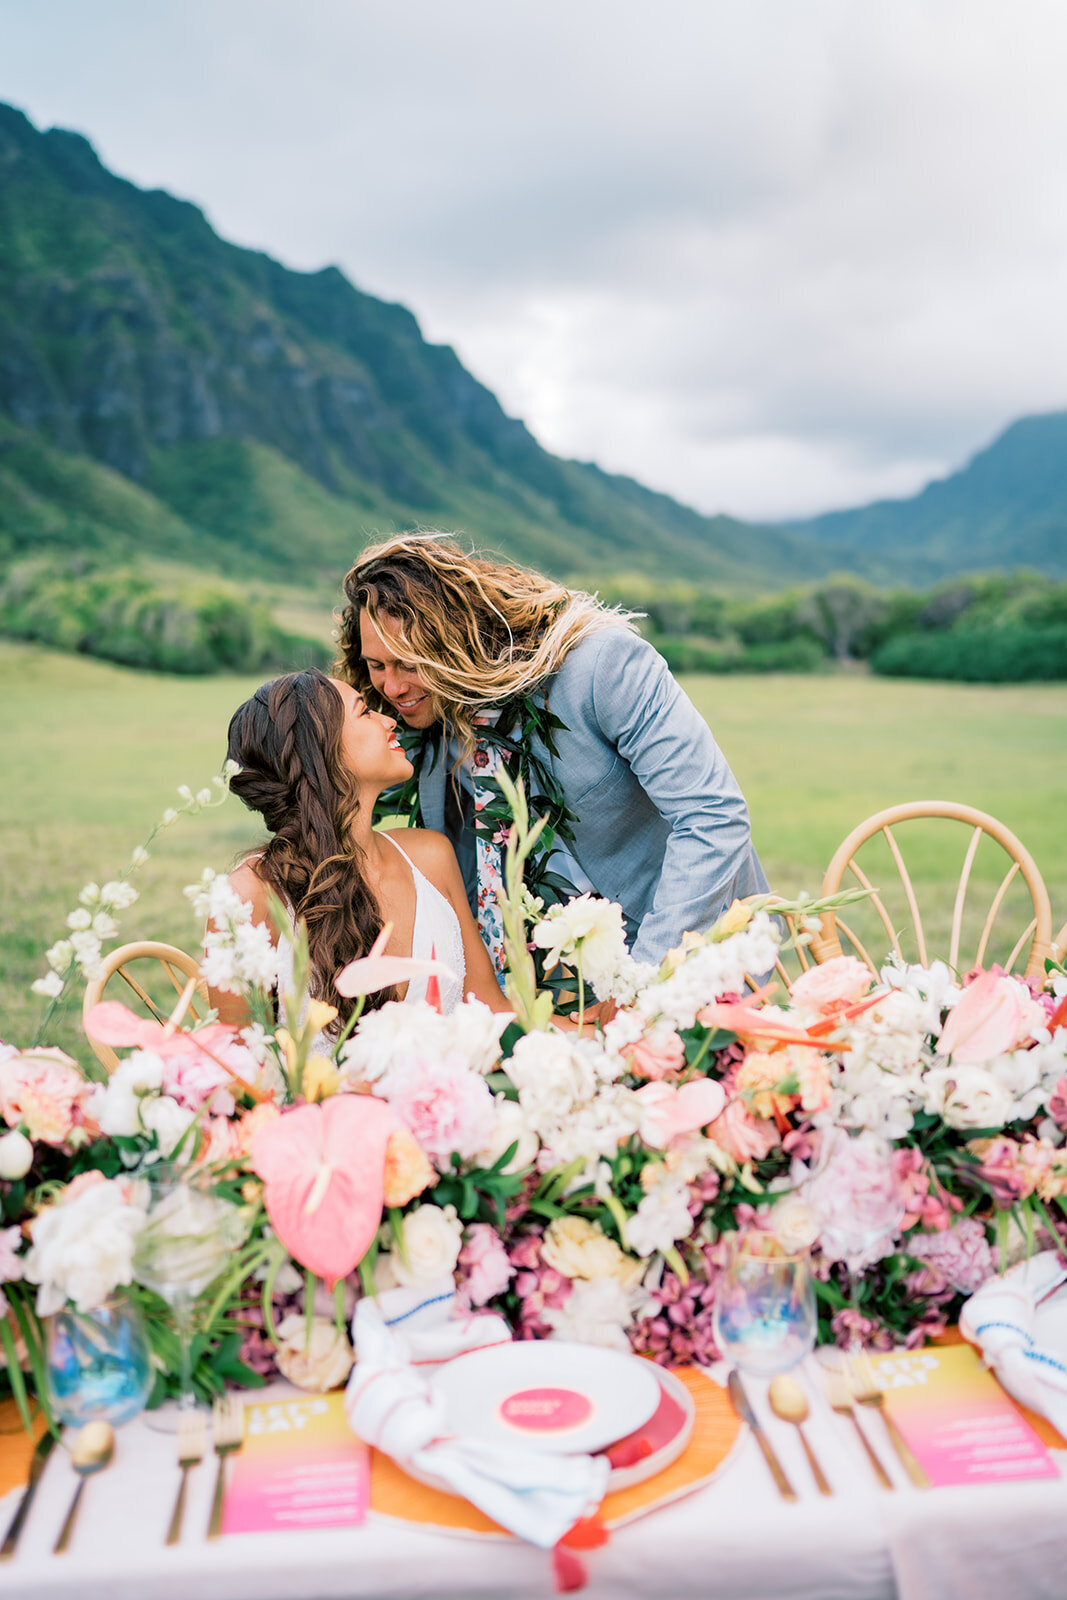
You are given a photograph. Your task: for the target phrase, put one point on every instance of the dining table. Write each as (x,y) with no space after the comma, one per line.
(734,1538)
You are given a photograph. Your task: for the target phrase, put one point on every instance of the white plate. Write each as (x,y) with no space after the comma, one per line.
(547,1394)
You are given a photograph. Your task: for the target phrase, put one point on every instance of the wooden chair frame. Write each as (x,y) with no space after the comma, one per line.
(827,943)
(189,987)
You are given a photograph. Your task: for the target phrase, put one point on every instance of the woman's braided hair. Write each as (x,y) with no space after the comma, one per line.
(287,742)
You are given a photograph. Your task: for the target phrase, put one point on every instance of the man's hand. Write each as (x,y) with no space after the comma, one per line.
(601,1013)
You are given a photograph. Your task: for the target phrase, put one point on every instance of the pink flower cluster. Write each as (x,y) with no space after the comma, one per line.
(537,1286)
(484,1268)
(1012,1170)
(43,1091)
(681,1330)
(961,1254)
(926,1202)
(447,1107)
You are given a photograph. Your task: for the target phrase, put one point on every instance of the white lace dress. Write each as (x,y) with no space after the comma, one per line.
(435,936)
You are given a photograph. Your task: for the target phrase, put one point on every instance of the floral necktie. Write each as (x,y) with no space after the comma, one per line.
(484,764)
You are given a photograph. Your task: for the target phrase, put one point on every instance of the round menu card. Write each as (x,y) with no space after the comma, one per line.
(547,1395)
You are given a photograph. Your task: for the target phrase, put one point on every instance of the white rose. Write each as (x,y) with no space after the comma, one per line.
(968,1097)
(318,1362)
(433,1239)
(794,1224)
(16,1155)
(595,1312)
(164,1117)
(511,1129)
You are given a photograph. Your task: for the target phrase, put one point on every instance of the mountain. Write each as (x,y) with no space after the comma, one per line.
(166,393)
(1006,508)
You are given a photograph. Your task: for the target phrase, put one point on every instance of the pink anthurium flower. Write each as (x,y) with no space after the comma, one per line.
(669,1111)
(114,1024)
(323,1167)
(995,1014)
(373,972)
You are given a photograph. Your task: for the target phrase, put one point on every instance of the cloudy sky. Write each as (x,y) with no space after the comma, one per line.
(773,256)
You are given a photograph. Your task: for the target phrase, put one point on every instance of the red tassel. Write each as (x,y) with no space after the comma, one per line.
(588,1533)
(569,1571)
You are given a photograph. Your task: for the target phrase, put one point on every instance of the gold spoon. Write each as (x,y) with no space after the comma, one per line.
(788,1401)
(92,1452)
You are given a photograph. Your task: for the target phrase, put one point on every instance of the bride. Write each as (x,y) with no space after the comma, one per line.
(313,758)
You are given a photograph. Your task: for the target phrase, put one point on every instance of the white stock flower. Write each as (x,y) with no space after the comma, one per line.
(433,1238)
(90,894)
(169,817)
(51,985)
(661,1219)
(79,920)
(139,856)
(711,970)
(104,925)
(118,895)
(586,930)
(204,797)
(60,956)
(83,1247)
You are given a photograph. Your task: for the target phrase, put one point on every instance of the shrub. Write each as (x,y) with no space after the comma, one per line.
(125,615)
(977,655)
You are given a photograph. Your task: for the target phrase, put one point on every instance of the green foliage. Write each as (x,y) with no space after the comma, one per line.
(124,615)
(977,655)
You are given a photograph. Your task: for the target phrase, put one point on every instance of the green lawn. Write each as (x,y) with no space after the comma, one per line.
(95,754)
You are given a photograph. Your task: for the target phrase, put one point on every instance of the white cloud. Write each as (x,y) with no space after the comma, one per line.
(771,257)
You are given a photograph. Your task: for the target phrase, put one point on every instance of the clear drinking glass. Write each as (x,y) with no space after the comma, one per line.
(98,1363)
(189,1234)
(765,1319)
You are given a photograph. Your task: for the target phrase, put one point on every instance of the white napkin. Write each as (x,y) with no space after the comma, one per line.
(1001,1320)
(430,1327)
(537,1495)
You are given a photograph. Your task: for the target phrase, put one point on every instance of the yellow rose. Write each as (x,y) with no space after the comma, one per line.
(581,1249)
(756,1079)
(321,1079)
(407,1168)
(319,1358)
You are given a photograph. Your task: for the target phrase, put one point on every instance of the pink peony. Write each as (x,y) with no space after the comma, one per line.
(961,1254)
(192,1077)
(448,1108)
(833,984)
(995,1014)
(741,1135)
(657,1055)
(856,1199)
(44,1091)
(484,1265)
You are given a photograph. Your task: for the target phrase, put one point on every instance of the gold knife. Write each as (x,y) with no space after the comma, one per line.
(743,1407)
(37,1466)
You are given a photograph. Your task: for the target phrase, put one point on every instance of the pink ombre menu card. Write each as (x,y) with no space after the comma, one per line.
(957,1419)
(301,1467)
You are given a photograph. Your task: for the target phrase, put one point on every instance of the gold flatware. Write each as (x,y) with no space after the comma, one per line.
(866,1392)
(743,1407)
(44,1448)
(191,1441)
(92,1452)
(839,1397)
(228,1428)
(789,1402)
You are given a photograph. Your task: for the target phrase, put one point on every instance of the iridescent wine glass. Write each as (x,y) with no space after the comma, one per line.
(765,1319)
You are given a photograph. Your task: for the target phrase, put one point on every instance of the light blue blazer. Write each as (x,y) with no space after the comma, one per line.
(662,825)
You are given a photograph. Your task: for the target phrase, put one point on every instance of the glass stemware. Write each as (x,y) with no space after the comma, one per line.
(765,1318)
(98,1363)
(189,1234)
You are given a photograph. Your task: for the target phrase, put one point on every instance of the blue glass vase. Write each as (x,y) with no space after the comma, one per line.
(99,1363)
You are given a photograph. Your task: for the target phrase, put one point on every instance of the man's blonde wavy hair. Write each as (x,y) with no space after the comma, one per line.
(479,632)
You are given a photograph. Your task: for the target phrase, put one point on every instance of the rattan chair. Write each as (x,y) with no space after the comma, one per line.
(1059,946)
(1036,935)
(182,971)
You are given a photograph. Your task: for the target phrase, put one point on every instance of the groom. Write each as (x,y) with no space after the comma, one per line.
(484,660)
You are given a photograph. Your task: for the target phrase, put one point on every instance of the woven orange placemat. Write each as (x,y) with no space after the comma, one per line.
(16,1446)
(715,1432)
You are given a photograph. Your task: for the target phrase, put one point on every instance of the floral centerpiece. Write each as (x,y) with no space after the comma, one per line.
(909,1131)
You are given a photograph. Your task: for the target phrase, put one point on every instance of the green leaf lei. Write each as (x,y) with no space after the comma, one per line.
(520,721)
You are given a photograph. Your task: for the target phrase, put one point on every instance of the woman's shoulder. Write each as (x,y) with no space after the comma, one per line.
(427,848)
(246,882)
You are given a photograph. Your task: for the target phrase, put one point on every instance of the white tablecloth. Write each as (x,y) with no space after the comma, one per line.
(733,1540)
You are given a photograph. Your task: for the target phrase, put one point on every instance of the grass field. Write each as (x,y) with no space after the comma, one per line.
(95,754)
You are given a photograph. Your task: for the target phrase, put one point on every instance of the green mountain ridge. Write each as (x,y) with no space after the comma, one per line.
(1005,508)
(168,393)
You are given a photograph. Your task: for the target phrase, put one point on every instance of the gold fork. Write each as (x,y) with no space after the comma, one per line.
(191,1441)
(839,1397)
(228,1427)
(866,1392)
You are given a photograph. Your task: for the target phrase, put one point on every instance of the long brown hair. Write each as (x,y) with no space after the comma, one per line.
(479,632)
(287,742)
